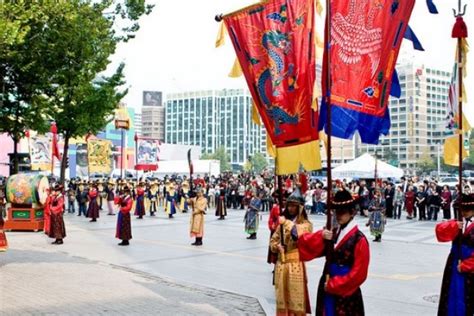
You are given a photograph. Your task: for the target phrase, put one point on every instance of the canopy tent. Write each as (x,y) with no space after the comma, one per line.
(364,167)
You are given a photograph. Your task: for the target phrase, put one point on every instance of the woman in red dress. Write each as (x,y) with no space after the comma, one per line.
(410,202)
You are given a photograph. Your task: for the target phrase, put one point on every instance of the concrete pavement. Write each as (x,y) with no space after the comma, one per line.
(163,272)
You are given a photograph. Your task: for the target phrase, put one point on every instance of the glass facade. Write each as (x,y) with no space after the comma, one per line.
(213,119)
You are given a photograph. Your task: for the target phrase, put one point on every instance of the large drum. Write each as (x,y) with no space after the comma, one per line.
(27,189)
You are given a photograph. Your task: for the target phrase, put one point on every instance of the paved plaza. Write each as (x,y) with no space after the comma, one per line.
(161,273)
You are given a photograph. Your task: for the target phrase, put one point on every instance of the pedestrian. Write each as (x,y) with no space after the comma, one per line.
(434,203)
(346,268)
(221,208)
(140,201)
(410,202)
(110,197)
(457,289)
(388,197)
(55,210)
(251,216)
(199,207)
(93,209)
(291,289)
(421,196)
(71,199)
(82,196)
(124,225)
(446,200)
(377,218)
(398,201)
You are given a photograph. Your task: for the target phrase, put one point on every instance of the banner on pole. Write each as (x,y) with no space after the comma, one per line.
(99,156)
(147,153)
(275,47)
(40,152)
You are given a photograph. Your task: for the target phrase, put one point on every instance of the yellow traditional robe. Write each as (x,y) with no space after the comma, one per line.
(197,217)
(291,289)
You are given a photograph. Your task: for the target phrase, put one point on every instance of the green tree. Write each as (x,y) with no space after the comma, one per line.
(59,59)
(426,163)
(221,155)
(259,162)
(22,106)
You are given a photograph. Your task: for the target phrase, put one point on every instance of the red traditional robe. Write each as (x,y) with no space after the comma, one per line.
(124,225)
(57,228)
(351,251)
(3,237)
(457,290)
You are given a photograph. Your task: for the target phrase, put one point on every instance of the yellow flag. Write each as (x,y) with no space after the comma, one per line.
(220,40)
(255,115)
(270,148)
(451,151)
(236,71)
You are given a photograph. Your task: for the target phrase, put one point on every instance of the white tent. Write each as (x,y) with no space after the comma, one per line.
(364,167)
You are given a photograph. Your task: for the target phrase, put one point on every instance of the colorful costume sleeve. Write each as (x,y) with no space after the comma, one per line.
(127,207)
(347,284)
(447,231)
(311,246)
(467,265)
(59,207)
(273,218)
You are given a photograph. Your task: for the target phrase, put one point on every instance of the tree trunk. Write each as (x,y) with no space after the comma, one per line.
(64,158)
(15,155)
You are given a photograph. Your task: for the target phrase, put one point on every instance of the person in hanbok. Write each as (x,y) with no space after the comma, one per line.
(93,209)
(291,289)
(3,236)
(199,207)
(251,217)
(55,210)
(140,201)
(346,267)
(184,197)
(377,218)
(152,196)
(457,290)
(171,200)
(124,225)
(110,197)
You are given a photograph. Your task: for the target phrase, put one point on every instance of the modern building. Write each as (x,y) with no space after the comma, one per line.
(213,119)
(137,120)
(418,120)
(153,115)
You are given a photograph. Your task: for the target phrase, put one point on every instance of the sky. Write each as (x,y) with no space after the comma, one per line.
(174,50)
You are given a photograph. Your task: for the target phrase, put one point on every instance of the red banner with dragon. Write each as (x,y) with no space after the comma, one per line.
(274,42)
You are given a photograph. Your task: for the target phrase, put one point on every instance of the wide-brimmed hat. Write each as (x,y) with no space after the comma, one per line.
(58,187)
(343,201)
(467,202)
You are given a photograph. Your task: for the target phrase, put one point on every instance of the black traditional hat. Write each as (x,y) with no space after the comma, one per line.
(126,189)
(58,187)
(343,201)
(467,202)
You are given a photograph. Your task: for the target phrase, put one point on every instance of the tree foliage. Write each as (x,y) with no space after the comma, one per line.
(426,163)
(258,162)
(51,68)
(221,155)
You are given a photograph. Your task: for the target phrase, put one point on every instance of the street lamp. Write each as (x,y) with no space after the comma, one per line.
(438,145)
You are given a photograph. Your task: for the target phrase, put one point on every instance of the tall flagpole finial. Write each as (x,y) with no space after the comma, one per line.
(218,17)
(459,12)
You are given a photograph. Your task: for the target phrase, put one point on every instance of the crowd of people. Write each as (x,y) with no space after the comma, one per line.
(292,239)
